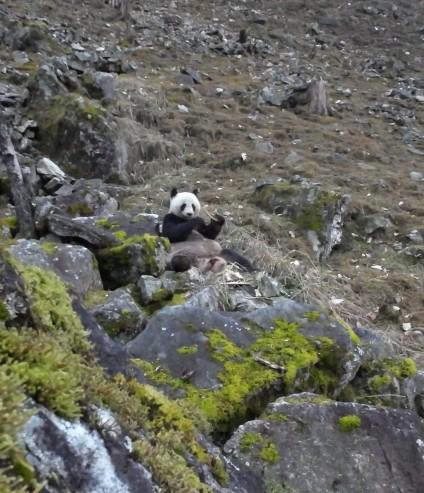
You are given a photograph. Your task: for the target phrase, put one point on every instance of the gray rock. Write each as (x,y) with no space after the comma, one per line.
(45,85)
(293,158)
(373,225)
(74,264)
(138,255)
(268,286)
(120,315)
(48,169)
(207,298)
(85,198)
(264,147)
(320,214)
(100,85)
(416,176)
(413,389)
(271,96)
(148,287)
(242,301)
(100,460)
(76,228)
(387,445)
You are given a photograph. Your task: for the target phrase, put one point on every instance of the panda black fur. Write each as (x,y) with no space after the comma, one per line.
(193,240)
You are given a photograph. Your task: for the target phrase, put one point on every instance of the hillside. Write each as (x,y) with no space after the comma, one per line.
(191,94)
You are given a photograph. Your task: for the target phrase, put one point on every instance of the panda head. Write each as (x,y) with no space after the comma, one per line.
(185,205)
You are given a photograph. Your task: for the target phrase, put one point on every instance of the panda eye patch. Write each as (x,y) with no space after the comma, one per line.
(182,207)
(194,207)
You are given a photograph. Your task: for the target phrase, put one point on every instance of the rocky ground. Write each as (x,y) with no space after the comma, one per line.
(229,383)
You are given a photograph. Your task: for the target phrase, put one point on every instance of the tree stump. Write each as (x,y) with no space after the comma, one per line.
(314,95)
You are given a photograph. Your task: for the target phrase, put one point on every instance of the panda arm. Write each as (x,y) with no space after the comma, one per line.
(179,230)
(212,230)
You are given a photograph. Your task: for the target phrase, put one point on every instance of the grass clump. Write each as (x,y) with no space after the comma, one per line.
(349,423)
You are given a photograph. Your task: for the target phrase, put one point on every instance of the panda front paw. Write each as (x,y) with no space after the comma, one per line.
(198,222)
(218,219)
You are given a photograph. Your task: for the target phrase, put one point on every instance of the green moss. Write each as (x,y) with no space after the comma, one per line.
(52,375)
(177,299)
(12,416)
(49,247)
(120,235)
(404,368)
(219,472)
(287,347)
(313,215)
(387,368)
(80,209)
(269,453)
(51,305)
(248,440)
(274,196)
(276,417)
(255,443)
(349,423)
(95,297)
(4,312)
(243,380)
(9,221)
(120,255)
(313,316)
(187,349)
(159,375)
(379,382)
(352,334)
(160,294)
(105,223)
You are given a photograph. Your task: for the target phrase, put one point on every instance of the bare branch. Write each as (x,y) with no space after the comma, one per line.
(20,195)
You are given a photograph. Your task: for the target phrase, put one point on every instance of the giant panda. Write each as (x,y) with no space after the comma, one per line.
(192,240)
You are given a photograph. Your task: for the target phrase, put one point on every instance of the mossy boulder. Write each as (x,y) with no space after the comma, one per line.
(136,255)
(311,447)
(74,264)
(317,212)
(88,141)
(236,362)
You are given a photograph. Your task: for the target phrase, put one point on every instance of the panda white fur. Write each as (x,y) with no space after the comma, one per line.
(192,240)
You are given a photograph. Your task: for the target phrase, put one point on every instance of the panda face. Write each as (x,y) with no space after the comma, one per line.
(185,205)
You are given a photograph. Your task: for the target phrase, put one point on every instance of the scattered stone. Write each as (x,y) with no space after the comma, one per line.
(120,315)
(376,225)
(416,176)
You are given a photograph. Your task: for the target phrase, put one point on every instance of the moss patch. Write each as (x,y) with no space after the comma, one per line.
(51,304)
(243,380)
(187,350)
(379,383)
(4,312)
(349,423)
(258,446)
(49,247)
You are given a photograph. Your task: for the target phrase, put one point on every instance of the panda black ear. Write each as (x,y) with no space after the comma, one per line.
(173,192)
(196,191)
